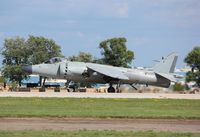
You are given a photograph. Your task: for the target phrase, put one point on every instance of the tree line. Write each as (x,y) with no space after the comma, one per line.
(19,51)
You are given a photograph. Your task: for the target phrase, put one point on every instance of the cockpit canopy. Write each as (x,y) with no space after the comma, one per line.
(54,60)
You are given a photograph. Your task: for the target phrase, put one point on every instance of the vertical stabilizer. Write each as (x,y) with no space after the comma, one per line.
(166,65)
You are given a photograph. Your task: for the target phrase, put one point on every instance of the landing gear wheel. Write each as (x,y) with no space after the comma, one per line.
(70,90)
(111,90)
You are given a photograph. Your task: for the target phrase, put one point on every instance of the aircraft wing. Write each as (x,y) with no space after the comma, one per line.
(109,71)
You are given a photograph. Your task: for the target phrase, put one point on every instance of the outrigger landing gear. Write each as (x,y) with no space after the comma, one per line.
(133,86)
(111,89)
(118,87)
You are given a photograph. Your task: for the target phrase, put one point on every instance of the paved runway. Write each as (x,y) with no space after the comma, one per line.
(100,95)
(172,125)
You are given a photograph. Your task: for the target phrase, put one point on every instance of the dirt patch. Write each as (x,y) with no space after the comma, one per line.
(100,124)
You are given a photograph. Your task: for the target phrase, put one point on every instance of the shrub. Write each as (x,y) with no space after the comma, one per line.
(178,87)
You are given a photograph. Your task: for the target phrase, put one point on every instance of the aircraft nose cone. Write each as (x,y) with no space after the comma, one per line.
(27,69)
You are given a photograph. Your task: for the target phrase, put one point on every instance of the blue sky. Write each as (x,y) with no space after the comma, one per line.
(153,28)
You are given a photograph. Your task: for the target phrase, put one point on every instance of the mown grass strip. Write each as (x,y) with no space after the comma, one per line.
(103,108)
(87,133)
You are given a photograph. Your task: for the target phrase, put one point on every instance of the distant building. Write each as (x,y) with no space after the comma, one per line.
(35,79)
(185,69)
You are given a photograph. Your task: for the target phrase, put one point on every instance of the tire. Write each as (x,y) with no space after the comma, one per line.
(70,90)
(111,90)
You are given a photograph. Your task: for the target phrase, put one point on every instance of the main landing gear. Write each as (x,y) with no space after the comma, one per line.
(111,89)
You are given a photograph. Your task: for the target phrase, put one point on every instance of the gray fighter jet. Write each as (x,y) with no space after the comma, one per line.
(162,74)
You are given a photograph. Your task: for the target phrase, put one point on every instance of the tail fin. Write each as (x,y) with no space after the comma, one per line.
(166,65)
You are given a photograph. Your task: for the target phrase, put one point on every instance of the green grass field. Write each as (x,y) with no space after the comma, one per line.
(113,108)
(86,133)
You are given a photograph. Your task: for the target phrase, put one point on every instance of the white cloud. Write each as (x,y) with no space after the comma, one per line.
(2,34)
(114,9)
(140,40)
(178,13)
(123,10)
(117,9)
(80,34)
(68,8)
(70,21)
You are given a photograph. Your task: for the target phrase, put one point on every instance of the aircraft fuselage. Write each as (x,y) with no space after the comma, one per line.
(79,72)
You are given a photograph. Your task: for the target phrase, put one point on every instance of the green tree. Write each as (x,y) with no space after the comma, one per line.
(193,60)
(82,57)
(115,52)
(3,80)
(15,53)
(18,52)
(42,49)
